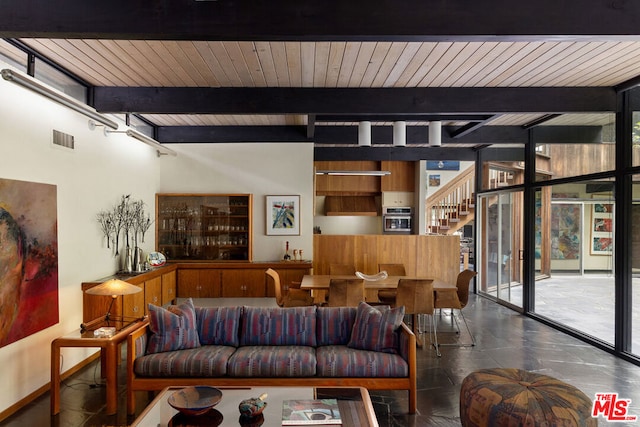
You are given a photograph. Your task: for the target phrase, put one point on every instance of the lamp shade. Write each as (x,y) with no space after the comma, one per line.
(435,134)
(114,287)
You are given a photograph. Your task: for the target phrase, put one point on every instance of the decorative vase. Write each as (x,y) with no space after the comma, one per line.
(127,260)
(138,262)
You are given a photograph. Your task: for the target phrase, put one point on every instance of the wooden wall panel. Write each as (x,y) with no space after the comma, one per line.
(438,257)
(398,250)
(424,256)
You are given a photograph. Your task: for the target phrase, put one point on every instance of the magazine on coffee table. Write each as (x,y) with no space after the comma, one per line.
(303,412)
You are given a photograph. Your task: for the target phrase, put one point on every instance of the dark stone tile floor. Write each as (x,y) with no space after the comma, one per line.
(504,339)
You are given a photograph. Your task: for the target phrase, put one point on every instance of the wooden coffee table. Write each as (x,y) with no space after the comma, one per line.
(355,405)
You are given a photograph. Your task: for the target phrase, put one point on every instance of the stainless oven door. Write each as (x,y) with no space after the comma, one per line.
(397,223)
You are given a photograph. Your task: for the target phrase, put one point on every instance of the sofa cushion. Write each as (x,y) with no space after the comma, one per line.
(218,325)
(273,361)
(334,325)
(375,328)
(172,328)
(205,361)
(341,361)
(278,326)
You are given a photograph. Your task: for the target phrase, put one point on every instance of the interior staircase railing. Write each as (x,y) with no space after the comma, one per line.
(452,206)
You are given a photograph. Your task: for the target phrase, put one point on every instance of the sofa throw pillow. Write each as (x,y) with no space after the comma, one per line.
(172,328)
(219,325)
(375,328)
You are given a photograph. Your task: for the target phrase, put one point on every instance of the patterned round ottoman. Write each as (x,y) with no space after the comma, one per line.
(513,397)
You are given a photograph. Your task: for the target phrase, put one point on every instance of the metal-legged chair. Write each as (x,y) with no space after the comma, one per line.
(416,295)
(458,301)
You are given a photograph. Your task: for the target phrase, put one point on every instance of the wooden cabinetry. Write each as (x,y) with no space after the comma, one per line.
(204,226)
(198,283)
(397,198)
(234,280)
(134,305)
(243,283)
(332,185)
(168,287)
(402,177)
(157,287)
(153,292)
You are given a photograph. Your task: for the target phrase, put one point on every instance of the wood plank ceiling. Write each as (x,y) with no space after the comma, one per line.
(119,67)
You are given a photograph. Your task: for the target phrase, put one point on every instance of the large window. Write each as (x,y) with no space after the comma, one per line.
(13,56)
(574,145)
(575,281)
(635,266)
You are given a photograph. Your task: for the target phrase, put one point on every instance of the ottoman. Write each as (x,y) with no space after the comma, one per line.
(513,397)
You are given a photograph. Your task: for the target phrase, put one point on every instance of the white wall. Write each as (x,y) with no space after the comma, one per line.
(88,179)
(256,168)
(445,177)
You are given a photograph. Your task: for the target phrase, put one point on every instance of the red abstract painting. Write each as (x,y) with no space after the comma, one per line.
(28,259)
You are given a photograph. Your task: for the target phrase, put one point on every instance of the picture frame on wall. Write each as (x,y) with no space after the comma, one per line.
(601,228)
(283,215)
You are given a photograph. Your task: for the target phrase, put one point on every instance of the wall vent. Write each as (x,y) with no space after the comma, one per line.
(62,139)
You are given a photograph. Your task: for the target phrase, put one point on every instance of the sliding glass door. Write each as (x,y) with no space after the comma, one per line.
(500,253)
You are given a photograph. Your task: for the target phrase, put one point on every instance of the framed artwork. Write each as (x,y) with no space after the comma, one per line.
(565,230)
(28,259)
(447,165)
(434,180)
(283,215)
(601,228)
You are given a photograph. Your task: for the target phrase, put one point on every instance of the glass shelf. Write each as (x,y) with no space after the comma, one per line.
(204,226)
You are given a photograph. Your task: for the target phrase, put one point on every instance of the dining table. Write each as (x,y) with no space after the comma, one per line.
(320,282)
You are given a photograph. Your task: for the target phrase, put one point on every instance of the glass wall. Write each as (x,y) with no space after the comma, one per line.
(575,281)
(636,139)
(574,145)
(635,266)
(500,253)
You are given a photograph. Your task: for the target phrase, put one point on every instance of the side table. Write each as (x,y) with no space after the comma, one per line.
(108,354)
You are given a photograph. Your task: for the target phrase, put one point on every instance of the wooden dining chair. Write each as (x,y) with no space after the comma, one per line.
(345,292)
(416,295)
(388,296)
(456,301)
(291,298)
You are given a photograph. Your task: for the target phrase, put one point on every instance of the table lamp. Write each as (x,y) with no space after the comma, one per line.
(113,287)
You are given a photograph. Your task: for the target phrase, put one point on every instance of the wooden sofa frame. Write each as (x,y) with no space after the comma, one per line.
(139,383)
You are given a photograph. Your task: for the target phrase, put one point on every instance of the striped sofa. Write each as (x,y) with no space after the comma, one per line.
(258,346)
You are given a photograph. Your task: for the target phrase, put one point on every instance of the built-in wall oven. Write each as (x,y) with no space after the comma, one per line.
(397,220)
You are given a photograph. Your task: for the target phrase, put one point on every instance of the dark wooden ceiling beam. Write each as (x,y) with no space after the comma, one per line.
(334,135)
(380,135)
(392,153)
(450,100)
(452,20)
(323,118)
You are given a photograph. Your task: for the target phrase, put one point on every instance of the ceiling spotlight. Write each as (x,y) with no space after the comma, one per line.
(435,134)
(399,134)
(364,134)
